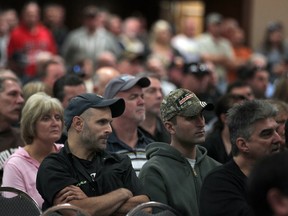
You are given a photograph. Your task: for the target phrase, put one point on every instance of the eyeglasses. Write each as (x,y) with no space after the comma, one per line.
(197,68)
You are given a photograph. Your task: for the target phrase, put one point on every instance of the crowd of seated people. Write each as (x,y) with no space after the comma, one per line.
(134,109)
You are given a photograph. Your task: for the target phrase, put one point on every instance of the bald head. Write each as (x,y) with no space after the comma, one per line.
(31,14)
(106,59)
(102,76)
(7,73)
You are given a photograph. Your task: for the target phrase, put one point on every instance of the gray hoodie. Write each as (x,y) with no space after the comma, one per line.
(169,178)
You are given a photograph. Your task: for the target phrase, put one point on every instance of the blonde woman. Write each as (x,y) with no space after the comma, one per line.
(160,43)
(41,126)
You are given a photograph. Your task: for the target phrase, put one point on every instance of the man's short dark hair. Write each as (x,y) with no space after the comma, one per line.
(43,68)
(236,84)
(248,71)
(66,80)
(90,11)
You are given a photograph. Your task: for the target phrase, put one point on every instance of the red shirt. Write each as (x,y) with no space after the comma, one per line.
(27,44)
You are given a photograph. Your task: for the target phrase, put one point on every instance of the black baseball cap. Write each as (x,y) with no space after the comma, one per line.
(85,101)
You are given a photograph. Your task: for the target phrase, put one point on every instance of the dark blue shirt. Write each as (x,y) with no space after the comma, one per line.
(137,154)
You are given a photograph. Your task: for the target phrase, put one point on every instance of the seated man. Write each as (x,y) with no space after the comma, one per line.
(253,134)
(152,126)
(126,137)
(64,89)
(174,172)
(83,173)
(11,103)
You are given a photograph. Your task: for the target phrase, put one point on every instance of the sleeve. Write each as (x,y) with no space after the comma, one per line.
(66,47)
(153,183)
(210,145)
(202,44)
(131,180)
(222,195)
(11,46)
(12,177)
(52,45)
(229,50)
(53,175)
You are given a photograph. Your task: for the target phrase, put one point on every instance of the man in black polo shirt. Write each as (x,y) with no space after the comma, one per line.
(83,173)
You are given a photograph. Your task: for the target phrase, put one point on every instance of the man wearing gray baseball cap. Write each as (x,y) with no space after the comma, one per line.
(126,137)
(184,163)
(124,83)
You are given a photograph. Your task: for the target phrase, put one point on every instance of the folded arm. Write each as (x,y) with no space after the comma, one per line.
(98,205)
(130,204)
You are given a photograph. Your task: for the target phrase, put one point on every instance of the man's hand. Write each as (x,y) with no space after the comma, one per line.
(68,194)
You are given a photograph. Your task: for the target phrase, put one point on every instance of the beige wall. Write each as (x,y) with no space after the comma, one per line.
(263,11)
(176,11)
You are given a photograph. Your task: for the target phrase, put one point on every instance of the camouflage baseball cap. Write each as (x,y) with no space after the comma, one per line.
(182,102)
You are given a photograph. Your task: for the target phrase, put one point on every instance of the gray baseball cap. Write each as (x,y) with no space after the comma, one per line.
(123,83)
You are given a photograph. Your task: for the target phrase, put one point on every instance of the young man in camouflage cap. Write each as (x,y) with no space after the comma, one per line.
(174,173)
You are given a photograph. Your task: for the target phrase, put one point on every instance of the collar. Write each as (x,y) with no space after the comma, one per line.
(141,143)
(103,154)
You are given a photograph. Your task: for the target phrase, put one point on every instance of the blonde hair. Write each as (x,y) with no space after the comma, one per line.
(159,26)
(38,105)
(33,87)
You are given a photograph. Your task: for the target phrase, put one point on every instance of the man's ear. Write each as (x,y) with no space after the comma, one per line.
(77,123)
(277,201)
(223,117)
(242,145)
(169,127)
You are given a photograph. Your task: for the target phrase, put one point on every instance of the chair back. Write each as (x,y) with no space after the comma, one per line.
(17,203)
(153,208)
(65,209)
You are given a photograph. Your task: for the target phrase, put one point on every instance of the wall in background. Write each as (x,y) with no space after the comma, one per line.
(262,12)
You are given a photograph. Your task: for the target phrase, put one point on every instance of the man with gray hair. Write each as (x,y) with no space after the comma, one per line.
(11,102)
(126,137)
(174,173)
(253,134)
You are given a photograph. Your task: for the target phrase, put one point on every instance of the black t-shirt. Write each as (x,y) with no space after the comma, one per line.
(215,147)
(105,173)
(224,192)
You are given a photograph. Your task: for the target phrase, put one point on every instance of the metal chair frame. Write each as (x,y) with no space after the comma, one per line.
(150,204)
(19,195)
(66,206)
